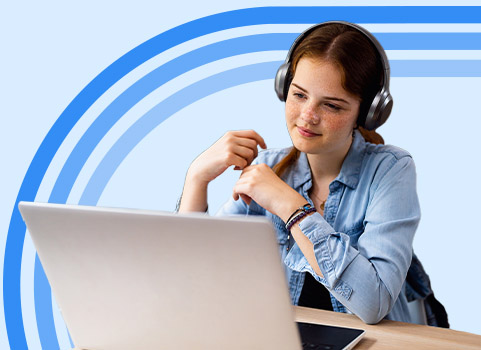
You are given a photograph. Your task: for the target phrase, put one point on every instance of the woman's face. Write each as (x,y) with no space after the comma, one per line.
(320,114)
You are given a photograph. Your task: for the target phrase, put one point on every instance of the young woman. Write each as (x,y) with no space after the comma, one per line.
(345,208)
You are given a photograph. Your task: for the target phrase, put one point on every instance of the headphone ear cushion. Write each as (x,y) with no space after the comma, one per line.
(280,81)
(379,111)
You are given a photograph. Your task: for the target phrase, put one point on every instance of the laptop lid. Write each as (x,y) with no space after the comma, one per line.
(134,279)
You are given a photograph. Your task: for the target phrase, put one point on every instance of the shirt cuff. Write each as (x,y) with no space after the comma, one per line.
(318,231)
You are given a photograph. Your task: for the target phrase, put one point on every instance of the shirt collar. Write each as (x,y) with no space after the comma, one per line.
(350,170)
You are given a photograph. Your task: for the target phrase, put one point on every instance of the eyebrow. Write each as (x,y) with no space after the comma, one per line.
(326,97)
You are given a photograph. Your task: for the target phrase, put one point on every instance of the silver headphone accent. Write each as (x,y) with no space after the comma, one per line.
(382,103)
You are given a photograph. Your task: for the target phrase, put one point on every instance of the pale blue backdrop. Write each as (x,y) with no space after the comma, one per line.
(86,120)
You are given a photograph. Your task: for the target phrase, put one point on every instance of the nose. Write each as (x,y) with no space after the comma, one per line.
(310,114)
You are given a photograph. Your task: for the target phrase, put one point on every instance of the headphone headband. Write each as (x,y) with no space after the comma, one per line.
(382,103)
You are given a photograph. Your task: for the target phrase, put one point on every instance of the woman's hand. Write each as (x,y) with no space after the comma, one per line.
(237,148)
(260,183)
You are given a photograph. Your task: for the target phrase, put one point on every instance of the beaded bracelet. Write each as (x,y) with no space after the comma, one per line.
(298,215)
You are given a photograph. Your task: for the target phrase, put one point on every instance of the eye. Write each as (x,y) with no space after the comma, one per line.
(299,95)
(332,107)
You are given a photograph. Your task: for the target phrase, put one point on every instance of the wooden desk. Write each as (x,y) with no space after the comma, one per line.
(391,334)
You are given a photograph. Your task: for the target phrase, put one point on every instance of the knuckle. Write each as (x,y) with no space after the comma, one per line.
(229,135)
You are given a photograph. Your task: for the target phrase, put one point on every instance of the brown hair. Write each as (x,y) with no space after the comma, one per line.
(360,67)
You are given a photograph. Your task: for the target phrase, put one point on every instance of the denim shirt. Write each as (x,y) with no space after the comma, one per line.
(363,243)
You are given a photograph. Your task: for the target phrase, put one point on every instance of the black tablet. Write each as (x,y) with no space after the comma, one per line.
(322,337)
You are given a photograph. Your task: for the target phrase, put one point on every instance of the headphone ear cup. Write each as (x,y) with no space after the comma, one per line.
(379,111)
(280,81)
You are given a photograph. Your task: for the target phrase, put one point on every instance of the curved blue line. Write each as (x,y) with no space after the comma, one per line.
(429,41)
(145,51)
(164,110)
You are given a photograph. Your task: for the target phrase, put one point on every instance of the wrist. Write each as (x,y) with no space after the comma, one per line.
(194,195)
(194,180)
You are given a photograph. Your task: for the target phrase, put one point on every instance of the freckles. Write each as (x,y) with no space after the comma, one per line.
(336,123)
(290,111)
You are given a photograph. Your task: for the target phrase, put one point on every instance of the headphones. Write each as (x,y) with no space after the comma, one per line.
(382,103)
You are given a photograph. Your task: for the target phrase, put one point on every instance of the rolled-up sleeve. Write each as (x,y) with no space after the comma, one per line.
(367,279)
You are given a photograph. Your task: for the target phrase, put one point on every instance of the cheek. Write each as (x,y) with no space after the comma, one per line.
(291,111)
(336,123)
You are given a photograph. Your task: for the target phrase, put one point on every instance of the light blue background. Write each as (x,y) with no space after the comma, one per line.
(50,51)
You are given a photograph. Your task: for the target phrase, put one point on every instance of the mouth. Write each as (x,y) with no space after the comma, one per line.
(306,132)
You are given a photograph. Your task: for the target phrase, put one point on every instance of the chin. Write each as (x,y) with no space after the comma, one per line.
(306,148)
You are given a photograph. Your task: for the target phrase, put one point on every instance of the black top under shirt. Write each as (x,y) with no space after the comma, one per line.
(314,294)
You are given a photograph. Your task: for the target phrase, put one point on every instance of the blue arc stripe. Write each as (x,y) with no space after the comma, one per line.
(429,41)
(145,51)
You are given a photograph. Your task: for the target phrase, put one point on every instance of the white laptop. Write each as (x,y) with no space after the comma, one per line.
(134,279)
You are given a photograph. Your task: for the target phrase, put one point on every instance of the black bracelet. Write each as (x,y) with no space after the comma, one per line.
(299,214)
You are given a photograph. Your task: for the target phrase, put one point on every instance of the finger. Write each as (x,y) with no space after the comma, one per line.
(249,144)
(251,134)
(247,153)
(238,162)
(241,146)
(236,195)
(251,168)
(239,168)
